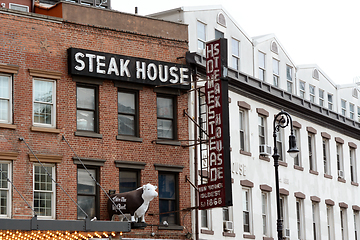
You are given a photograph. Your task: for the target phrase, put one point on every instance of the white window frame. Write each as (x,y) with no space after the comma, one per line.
(353,165)
(356,224)
(276,72)
(284,211)
(289,78)
(244,129)
(343,107)
(351,110)
(53,192)
(358,113)
(247,208)
(8,189)
(312,152)
(330,101)
(330,222)
(312,93)
(298,143)
(8,99)
(340,159)
(262,126)
(208,219)
(199,39)
(266,213)
(343,224)
(262,69)
(326,155)
(280,144)
(230,218)
(53,104)
(18,5)
(235,56)
(316,220)
(302,86)
(299,208)
(321,97)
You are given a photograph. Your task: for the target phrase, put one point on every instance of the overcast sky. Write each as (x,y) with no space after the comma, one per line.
(322,32)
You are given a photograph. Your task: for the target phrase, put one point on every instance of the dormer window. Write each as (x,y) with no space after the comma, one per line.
(221,19)
(355,93)
(316,74)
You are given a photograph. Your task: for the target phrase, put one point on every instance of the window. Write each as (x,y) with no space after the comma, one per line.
(353,165)
(19,7)
(321,97)
(343,107)
(88,193)
(312,93)
(343,224)
(312,157)
(5,189)
(339,159)
(246,210)
(316,220)
(128,180)
(44,102)
(128,115)
(166,110)
(227,217)
(44,190)
(358,110)
(262,66)
(5,98)
(289,79)
(284,212)
(205,216)
(262,129)
(299,218)
(297,159)
(279,144)
(325,148)
(356,224)
(243,128)
(168,198)
(235,54)
(87,108)
(302,89)
(351,110)
(276,72)
(266,213)
(201,35)
(330,222)
(330,101)
(218,34)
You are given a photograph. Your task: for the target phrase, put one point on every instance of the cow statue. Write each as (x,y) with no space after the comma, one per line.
(135,202)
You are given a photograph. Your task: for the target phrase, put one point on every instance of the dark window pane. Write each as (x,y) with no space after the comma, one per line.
(85,120)
(128,181)
(165,128)
(86,185)
(126,125)
(87,203)
(167,186)
(86,98)
(165,107)
(167,207)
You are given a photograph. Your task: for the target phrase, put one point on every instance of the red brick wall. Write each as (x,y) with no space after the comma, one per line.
(39,44)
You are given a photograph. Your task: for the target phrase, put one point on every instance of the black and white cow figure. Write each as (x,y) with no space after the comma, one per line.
(135,202)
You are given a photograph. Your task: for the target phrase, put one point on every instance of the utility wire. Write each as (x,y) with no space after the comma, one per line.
(2,173)
(22,139)
(97,183)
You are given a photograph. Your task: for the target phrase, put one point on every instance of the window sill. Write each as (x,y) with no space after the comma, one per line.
(229,234)
(7,125)
(261,157)
(341,180)
(298,168)
(245,153)
(268,238)
(45,129)
(354,183)
(128,138)
(167,142)
(248,236)
(327,176)
(205,231)
(282,163)
(171,227)
(313,172)
(88,134)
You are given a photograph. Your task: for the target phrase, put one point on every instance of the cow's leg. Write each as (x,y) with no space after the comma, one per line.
(132,218)
(143,218)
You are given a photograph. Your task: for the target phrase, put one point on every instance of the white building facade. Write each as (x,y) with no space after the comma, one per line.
(319,189)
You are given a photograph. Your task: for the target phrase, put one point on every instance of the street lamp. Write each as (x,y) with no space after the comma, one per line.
(282,120)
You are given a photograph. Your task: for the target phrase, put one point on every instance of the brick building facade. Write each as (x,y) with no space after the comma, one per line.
(41,102)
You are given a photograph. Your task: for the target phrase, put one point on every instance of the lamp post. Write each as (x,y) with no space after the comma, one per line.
(282,120)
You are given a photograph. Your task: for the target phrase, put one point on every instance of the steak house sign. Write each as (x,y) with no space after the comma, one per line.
(218,190)
(124,68)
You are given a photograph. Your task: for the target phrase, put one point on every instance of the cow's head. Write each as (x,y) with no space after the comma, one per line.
(149,192)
